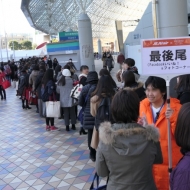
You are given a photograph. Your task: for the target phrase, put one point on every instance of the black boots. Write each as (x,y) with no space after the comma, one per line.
(67,128)
(73,127)
(92,154)
(82,131)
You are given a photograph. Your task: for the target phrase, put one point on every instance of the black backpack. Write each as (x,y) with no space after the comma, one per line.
(103,112)
(44,93)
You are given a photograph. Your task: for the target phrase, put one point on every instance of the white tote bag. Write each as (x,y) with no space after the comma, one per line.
(53,109)
(14,84)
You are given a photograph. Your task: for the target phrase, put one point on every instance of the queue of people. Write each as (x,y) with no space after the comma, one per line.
(126,127)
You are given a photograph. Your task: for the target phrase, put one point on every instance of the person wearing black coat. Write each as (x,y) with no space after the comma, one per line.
(57,70)
(23,86)
(55,63)
(50,63)
(84,101)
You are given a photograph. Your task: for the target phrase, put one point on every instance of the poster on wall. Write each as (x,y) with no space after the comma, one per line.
(166,56)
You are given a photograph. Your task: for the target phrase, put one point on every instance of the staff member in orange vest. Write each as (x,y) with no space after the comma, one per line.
(154,109)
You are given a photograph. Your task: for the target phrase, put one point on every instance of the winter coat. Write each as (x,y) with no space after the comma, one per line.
(138,88)
(2,76)
(23,82)
(55,64)
(57,70)
(88,119)
(180,176)
(49,63)
(120,58)
(126,153)
(51,89)
(65,91)
(32,78)
(160,172)
(109,62)
(38,83)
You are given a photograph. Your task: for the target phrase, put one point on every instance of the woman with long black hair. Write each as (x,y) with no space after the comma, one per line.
(48,85)
(106,72)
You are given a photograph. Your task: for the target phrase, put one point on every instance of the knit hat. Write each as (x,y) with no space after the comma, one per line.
(66,73)
(92,76)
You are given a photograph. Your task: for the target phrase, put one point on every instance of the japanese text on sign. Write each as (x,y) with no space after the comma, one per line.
(166,56)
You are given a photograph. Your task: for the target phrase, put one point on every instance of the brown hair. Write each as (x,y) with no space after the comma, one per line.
(125,107)
(182,131)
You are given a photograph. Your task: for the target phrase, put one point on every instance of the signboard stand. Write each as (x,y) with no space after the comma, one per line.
(166,58)
(169,132)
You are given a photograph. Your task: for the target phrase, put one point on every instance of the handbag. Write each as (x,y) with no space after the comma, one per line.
(5,84)
(33,98)
(96,177)
(76,91)
(53,109)
(95,139)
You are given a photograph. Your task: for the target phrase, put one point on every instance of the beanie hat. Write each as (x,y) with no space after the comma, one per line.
(66,73)
(92,76)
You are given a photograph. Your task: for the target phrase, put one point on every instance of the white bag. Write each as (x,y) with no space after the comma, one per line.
(76,91)
(53,109)
(17,85)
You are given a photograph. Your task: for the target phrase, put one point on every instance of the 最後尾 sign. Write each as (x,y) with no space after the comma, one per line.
(166,56)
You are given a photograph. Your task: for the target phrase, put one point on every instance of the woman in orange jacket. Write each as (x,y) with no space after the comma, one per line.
(154,109)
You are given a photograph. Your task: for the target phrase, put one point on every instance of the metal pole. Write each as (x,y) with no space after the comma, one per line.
(13,47)
(169,132)
(1,49)
(6,46)
(154,17)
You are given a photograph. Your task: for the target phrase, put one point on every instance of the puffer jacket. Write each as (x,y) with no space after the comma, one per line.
(180,176)
(32,78)
(126,153)
(88,119)
(138,88)
(160,172)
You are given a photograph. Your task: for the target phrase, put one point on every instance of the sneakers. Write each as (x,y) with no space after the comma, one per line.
(47,128)
(53,128)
